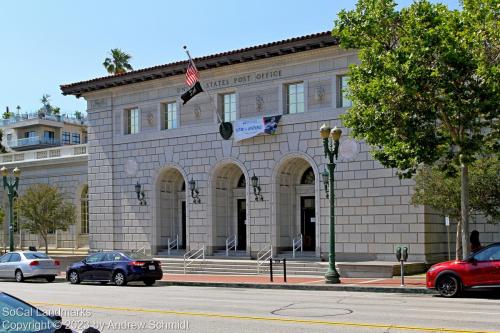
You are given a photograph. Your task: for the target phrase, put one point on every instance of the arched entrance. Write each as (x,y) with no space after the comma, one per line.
(229,213)
(171,210)
(296,204)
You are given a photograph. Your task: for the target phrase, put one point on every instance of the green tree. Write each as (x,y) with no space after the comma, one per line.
(7,115)
(48,108)
(56,110)
(44,209)
(438,189)
(424,91)
(118,63)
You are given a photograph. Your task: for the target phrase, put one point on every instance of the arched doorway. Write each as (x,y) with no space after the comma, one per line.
(229,213)
(296,205)
(171,210)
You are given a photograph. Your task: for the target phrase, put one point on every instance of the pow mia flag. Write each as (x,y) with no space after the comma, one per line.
(193,91)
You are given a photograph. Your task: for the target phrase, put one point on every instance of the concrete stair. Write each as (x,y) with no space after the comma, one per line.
(63,251)
(173,253)
(230,266)
(299,256)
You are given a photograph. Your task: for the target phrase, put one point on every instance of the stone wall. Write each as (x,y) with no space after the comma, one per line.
(70,176)
(373,214)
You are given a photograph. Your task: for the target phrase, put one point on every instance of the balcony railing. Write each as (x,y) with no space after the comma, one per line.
(33,141)
(42,154)
(29,116)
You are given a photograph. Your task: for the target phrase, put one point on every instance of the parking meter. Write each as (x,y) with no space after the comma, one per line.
(402,256)
(398,253)
(405,253)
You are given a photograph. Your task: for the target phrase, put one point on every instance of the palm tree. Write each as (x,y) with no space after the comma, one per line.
(118,63)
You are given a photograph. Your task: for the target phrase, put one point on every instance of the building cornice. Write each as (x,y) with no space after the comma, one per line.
(265,51)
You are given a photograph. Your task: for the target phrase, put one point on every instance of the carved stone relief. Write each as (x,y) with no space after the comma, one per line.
(259,103)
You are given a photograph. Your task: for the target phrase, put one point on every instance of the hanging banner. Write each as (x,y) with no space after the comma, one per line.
(271,124)
(248,128)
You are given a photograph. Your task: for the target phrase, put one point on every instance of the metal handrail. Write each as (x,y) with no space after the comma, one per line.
(231,242)
(172,244)
(297,243)
(263,256)
(189,258)
(142,249)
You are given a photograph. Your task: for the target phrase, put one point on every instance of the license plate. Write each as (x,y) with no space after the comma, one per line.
(152,267)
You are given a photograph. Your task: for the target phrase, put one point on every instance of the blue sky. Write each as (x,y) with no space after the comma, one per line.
(52,42)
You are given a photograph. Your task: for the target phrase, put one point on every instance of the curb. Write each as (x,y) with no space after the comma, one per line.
(400,290)
(369,289)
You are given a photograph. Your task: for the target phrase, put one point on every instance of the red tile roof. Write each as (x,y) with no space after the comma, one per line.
(283,47)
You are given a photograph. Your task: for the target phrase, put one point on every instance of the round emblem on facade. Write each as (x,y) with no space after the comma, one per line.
(131,167)
(348,149)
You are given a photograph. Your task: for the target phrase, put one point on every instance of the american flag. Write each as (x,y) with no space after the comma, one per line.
(192,75)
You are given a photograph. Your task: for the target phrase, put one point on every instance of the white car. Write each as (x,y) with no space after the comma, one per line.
(22,265)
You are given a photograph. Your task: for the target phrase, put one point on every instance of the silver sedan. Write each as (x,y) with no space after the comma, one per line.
(28,264)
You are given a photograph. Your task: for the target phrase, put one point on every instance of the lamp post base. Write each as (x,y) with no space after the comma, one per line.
(332,277)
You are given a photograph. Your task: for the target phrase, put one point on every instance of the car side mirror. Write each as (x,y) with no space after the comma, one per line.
(56,318)
(472,260)
(84,261)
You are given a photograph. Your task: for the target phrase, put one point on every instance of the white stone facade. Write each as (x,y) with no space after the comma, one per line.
(64,167)
(373,214)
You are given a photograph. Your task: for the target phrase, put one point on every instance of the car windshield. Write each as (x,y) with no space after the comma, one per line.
(35,255)
(136,256)
(20,317)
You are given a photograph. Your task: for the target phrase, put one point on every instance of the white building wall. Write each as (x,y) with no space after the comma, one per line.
(373,213)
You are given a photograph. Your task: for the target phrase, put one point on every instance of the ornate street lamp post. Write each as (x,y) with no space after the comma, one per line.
(331,151)
(11,187)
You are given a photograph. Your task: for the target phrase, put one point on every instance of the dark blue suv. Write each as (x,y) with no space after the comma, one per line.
(115,266)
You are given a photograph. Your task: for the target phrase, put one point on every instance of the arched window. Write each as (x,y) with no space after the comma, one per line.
(84,211)
(308,177)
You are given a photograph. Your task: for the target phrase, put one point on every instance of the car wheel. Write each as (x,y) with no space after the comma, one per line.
(51,278)
(19,275)
(119,279)
(149,282)
(449,286)
(74,277)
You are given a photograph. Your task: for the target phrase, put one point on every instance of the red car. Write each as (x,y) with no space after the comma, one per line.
(480,270)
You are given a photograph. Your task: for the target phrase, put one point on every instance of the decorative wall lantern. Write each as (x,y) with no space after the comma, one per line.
(141,196)
(256,188)
(195,194)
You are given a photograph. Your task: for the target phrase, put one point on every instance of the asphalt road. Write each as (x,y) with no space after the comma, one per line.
(202,309)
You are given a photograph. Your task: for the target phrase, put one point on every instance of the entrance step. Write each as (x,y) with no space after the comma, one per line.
(300,256)
(62,251)
(232,266)
(173,253)
(238,266)
(221,254)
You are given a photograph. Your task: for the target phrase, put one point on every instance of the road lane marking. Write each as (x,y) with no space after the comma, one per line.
(257,318)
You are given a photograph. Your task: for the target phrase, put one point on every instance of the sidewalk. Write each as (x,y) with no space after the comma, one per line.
(413,284)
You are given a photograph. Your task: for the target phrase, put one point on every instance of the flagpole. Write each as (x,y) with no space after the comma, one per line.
(205,90)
